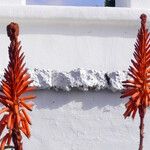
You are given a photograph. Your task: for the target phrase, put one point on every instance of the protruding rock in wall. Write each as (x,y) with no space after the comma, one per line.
(79,79)
(115,80)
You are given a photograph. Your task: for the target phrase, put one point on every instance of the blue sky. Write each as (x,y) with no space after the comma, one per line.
(67,2)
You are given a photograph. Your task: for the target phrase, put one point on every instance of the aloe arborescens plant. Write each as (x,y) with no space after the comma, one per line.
(15,83)
(138,87)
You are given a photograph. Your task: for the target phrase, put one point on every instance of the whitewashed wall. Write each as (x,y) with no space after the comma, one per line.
(83,121)
(65,38)
(133,3)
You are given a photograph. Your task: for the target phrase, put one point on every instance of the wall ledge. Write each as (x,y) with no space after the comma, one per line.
(79,79)
(61,14)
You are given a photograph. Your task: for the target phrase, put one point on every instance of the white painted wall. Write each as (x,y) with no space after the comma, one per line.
(140,4)
(12,2)
(83,121)
(65,38)
(123,3)
(133,3)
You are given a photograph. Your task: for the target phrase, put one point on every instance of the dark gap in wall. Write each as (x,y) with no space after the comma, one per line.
(107,79)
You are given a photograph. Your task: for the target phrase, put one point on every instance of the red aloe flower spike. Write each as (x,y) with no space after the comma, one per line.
(16,82)
(138,88)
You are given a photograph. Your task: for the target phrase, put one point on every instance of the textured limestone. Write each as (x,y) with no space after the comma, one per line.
(80,79)
(61,80)
(42,78)
(115,80)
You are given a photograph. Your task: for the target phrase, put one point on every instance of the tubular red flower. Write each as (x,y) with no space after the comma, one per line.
(138,87)
(16,82)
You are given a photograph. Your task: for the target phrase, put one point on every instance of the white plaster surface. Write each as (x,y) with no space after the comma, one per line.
(133,3)
(12,2)
(83,121)
(140,4)
(123,3)
(64,38)
(71,14)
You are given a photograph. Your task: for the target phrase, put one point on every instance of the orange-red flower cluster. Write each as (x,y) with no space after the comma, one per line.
(138,87)
(16,82)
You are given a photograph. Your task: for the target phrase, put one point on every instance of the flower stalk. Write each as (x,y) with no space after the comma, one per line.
(15,83)
(138,87)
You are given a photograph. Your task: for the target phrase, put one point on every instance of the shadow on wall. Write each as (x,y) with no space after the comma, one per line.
(49,99)
(102,30)
(75,29)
